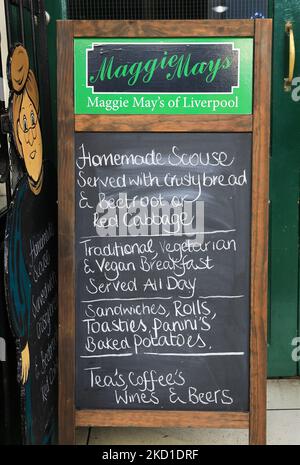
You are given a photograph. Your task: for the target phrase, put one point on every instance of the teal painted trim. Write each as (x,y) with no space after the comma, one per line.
(64,9)
(271,8)
(298,334)
(57,10)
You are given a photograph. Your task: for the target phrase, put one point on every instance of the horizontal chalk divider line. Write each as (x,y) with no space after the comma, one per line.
(163,123)
(163,298)
(162,419)
(220,231)
(205,354)
(169,354)
(126,299)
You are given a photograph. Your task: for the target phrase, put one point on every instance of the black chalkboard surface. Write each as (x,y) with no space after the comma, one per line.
(31,292)
(178,67)
(162,314)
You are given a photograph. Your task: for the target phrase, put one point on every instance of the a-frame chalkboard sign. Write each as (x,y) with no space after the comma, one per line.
(163,215)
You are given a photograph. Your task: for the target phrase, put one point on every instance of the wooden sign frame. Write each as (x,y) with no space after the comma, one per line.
(257,124)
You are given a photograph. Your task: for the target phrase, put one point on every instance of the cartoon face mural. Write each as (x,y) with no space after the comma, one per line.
(24,115)
(30,246)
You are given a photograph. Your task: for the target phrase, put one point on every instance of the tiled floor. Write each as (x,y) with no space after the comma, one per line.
(283,423)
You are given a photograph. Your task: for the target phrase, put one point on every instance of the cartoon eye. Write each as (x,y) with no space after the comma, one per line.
(25,124)
(32,118)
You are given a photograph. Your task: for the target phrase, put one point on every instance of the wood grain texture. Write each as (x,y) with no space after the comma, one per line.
(66,225)
(159,419)
(259,246)
(164,123)
(164,28)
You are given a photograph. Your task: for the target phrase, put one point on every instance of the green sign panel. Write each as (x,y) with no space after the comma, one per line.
(163,76)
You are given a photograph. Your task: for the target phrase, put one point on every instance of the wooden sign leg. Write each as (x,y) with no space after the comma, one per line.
(259,246)
(66,220)
(258,427)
